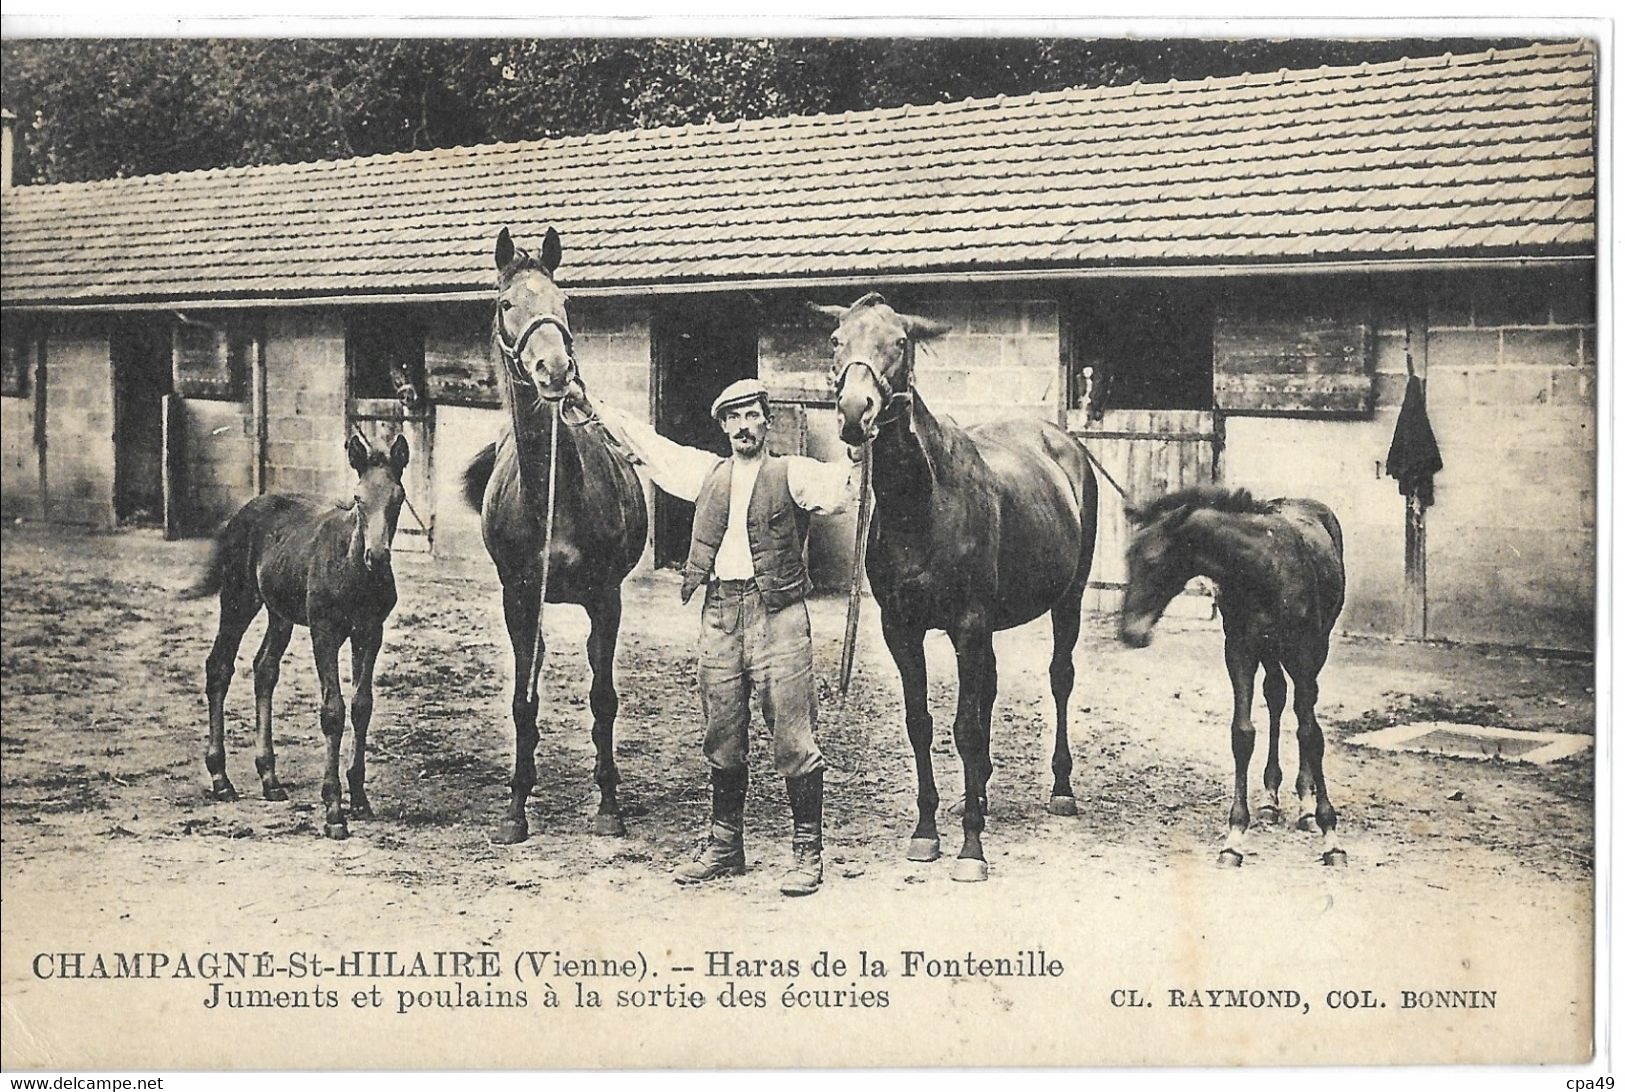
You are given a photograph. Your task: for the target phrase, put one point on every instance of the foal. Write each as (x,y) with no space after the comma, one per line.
(311,563)
(1279,570)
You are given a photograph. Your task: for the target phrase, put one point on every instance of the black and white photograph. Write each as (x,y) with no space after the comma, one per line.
(850,547)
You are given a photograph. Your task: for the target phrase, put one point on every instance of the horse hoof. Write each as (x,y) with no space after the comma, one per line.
(969,870)
(225,792)
(924,849)
(274,793)
(1335,858)
(1229,858)
(336,831)
(1269,815)
(511,833)
(612,825)
(1306,821)
(1063,805)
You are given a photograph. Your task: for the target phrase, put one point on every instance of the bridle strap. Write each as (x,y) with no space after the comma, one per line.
(890,397)
(511,351)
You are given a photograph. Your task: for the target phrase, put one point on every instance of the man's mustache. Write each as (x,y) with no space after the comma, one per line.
(745,434)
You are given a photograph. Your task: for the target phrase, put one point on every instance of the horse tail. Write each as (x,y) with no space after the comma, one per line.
(478,476)
(213,574)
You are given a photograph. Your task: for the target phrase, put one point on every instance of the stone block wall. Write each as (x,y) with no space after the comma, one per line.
(79,430)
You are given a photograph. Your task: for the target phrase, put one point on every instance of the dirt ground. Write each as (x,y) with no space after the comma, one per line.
(105,824)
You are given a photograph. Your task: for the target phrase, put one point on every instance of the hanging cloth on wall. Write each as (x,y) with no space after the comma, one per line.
(1413,457)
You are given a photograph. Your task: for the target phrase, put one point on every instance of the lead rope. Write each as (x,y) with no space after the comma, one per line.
(1107,474)
(540,648)
(855,596)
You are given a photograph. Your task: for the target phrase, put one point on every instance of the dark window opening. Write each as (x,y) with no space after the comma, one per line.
(22,345)
(384,353)
(212,355)
(1142,346)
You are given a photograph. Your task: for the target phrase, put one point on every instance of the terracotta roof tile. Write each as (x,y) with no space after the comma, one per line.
(1444,156)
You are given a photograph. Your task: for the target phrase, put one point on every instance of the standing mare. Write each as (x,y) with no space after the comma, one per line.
(308,562)
(1279,570)
(600,522)
(975,530)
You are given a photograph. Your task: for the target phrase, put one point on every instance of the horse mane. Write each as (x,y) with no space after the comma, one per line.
(1215,497)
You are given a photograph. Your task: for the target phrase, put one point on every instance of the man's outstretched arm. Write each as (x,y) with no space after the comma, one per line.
(825,489)
(676,469)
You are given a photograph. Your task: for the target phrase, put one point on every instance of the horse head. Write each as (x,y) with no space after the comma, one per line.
(872,369)
(1160,564)
(531,329)
(378,496)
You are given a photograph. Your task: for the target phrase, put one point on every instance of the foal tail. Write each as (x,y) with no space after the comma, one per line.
(213,575)
(478,476)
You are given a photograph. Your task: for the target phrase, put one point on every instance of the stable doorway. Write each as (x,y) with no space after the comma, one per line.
(700,346)
(142,353)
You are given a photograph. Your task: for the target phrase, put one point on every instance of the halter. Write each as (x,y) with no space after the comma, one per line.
(512,349)
(889,395)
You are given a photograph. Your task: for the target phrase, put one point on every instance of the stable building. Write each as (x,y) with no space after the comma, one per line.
(1225,280)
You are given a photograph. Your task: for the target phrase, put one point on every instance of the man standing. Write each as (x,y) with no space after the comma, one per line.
(751,513)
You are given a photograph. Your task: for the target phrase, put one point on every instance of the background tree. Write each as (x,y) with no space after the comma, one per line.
(112,108)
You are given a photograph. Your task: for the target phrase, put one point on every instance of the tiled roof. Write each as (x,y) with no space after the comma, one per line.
(1484,154)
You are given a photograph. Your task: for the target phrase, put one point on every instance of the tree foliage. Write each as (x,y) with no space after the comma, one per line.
(92,109)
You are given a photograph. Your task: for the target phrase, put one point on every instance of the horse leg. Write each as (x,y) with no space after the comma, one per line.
(907,646)
(325,643)
(239,603)
(1311,748)
(1242,663)
(520,609)
(974,648)
(605,615)
(1275,698)
(990,691)
(1065,619)
(267,670)
(364,647)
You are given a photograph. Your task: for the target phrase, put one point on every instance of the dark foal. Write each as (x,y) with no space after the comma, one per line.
(308,562)
(600,521)
(975,530)
(1278,566)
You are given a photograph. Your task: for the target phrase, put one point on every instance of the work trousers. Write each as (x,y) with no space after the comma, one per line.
(745,647)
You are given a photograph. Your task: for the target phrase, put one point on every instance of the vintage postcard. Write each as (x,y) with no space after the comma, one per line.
(544,553)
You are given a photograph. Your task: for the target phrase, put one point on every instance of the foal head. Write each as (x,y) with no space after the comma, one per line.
(531,329)
(1162,555)
(872,362)
(378,496)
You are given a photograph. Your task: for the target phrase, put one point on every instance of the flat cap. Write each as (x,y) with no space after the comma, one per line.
(738,393)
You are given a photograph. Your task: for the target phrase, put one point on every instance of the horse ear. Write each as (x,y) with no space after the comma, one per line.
(359,450)
(834,311)
(399,453)
(504,253)
(552,251)
(923,329)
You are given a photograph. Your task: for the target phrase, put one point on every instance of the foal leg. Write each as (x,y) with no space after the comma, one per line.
(907,646)
(605,615)
(239,603)
(267,670)
(1311,747)
(974,649)
(325,643)
(520,609)
(364,648)
(1065,619)
(1275,698)
(1242,663)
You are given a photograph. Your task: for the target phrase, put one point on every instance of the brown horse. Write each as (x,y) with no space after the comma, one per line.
(975,530)
(1279,570)
(312,563)
(600,523)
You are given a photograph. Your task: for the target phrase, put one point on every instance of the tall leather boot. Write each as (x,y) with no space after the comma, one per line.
(724,852)
(807,844)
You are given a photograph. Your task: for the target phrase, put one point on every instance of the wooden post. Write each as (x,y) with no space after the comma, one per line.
(1416,524)
(259,409)
(173,467)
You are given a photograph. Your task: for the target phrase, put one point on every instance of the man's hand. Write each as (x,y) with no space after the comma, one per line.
(855,452)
